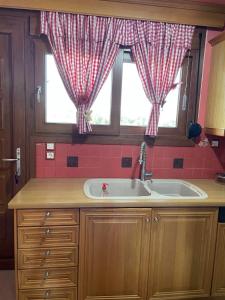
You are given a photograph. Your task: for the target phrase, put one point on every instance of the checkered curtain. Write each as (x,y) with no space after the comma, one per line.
(158,57)
(84,51)
(85,48)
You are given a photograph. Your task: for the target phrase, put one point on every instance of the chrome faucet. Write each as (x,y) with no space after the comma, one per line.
(142,162)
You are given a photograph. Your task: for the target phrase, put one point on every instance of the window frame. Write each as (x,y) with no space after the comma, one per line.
(114,133)
(41,49)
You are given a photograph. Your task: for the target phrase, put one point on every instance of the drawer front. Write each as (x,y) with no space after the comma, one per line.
(42,237)
(46,217)
(42,258)
(47,278)
(52,294)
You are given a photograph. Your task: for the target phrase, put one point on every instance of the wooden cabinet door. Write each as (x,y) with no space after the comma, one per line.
(218,287)
(114,247)
(215,121)
(182,252)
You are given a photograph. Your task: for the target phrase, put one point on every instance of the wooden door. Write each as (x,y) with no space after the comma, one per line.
(12,128)
(218,287)
(182,252)
(114,250)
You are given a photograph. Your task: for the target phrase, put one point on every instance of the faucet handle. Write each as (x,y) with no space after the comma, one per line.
(149,174)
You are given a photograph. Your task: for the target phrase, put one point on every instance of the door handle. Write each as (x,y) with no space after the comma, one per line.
(9,159)
(17,160)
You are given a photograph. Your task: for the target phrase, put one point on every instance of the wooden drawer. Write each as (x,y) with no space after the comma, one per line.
(47,278)
(42,237)
(52,294)
(42,258)
(45,217)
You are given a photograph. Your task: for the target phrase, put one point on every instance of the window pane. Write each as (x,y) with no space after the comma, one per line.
(135,107)
(101,108)
(169,112)
(60,108)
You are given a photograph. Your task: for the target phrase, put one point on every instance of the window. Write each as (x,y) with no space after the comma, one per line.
(58,106)
(135,106)
(126,109)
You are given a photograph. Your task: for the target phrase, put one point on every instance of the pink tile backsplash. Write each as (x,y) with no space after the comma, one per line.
(105,161)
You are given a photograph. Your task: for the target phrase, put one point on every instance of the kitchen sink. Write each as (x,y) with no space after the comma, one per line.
(134,189)
(172,188)
(116,189)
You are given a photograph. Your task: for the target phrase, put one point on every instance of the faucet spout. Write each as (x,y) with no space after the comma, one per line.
(142,162)
(142,156)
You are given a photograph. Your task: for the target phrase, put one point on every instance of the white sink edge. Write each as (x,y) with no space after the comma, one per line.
(154,195)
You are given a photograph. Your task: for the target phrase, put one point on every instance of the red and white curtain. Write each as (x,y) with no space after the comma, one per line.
(85,48)
(84,52)
(158,56)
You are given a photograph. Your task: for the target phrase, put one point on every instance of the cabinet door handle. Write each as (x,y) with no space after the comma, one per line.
(147,220)
(46,275)
(47,231)
(156,219)
(47,294)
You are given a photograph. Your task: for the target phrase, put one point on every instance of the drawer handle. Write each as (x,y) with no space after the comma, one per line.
(47,214)
(47,231)
(47,294)
(47,253)
(46,275)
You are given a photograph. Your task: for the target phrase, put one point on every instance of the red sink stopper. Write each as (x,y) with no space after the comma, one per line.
(104,186)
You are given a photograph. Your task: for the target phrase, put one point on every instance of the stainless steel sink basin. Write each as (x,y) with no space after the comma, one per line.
(119,189)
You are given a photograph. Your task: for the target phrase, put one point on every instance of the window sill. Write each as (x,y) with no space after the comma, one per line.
(161,140)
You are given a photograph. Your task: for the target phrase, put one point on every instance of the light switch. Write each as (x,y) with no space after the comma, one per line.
(50,146)
(215,143)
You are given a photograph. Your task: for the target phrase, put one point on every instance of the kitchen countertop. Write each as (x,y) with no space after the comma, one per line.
(68,193)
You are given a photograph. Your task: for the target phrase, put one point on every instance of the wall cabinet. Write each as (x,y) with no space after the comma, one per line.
(115,255)
(218,287)
(215,112)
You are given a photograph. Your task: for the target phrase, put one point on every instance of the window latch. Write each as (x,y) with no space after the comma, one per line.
(38,93)
(184,102)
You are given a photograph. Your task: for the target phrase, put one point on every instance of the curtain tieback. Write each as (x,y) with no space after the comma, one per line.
(157,105)
(87,115)
(83,119)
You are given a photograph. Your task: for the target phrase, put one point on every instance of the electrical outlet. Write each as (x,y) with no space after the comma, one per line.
(72,161)
(215,143)
(178,163)
(50,155)
(126,162)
